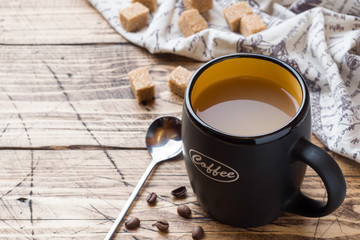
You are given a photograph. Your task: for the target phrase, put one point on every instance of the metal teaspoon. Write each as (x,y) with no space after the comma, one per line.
(163,141)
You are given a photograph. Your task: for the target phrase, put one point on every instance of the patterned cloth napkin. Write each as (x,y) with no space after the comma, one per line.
(320,38)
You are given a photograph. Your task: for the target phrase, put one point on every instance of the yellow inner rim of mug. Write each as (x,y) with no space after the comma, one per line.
(250,67)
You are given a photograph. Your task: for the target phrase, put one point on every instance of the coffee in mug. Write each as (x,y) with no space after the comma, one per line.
(245,106)
(246,131)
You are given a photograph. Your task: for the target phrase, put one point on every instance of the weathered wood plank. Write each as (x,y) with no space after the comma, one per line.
(80,95)
(75,194)
(53,22)
(61,89)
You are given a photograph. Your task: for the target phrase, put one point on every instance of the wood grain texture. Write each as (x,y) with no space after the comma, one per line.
(77,193)
(72,137)
(81,92)
(62,22)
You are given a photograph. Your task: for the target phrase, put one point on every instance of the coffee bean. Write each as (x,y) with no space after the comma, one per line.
(162,225)
(132,223)
(184,211)
(197,233)
(179,192)
(151,198)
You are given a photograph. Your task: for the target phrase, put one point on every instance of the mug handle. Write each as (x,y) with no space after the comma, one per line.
(329,172)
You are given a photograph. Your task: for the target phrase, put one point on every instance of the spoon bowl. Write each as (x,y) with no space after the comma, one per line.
(163,138)
(163,141)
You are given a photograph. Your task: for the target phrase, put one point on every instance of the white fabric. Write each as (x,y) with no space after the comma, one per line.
(320,38)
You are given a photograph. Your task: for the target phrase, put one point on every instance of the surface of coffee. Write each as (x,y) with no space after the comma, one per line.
(245,106)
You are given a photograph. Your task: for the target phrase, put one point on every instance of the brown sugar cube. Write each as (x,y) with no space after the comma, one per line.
(142,84)
(201,5)
(150,4)
(178,80)
(235,12)
(191,22)
(251,24)
(134,17)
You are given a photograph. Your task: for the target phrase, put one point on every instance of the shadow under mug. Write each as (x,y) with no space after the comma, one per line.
(251,181)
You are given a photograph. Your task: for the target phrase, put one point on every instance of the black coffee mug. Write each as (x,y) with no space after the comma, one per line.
(249,181)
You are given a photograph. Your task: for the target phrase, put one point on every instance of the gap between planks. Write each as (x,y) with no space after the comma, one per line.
(66,44)
(74,147)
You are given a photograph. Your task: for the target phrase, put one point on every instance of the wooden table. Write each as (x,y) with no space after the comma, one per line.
(72,136)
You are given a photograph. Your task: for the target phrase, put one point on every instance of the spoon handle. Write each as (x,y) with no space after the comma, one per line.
(130,200)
